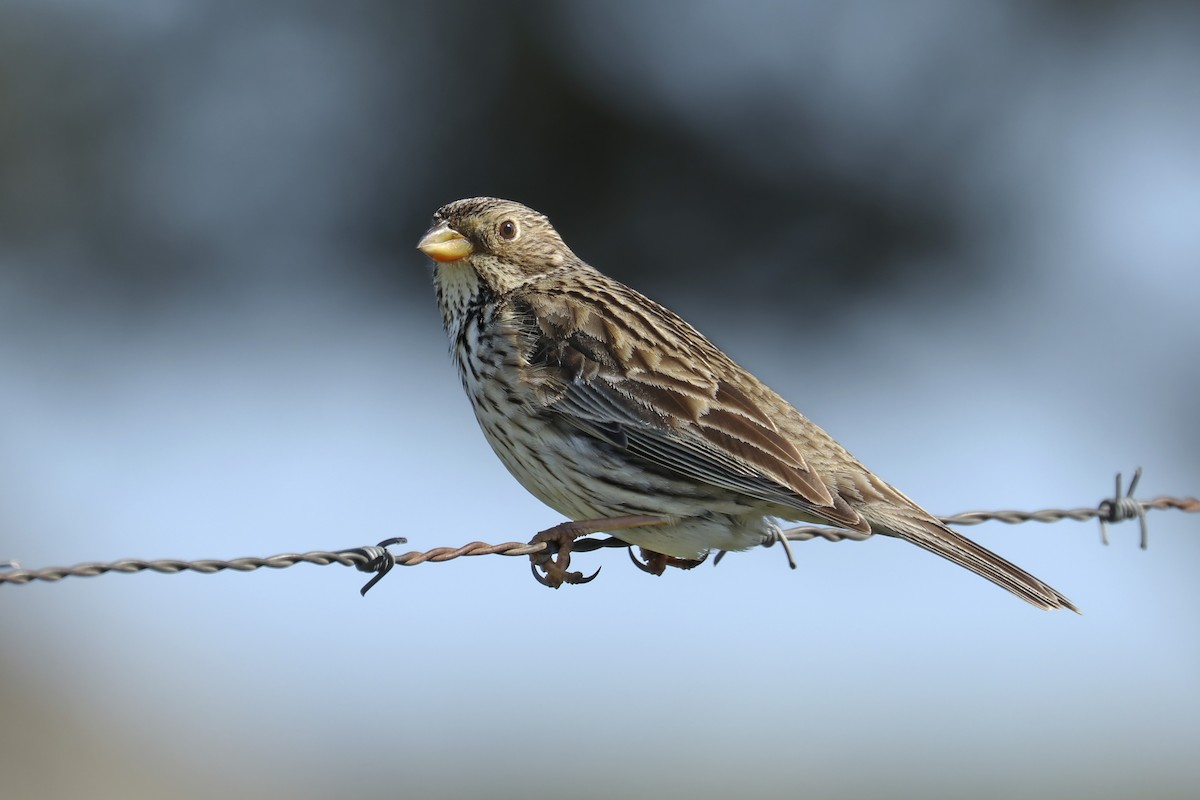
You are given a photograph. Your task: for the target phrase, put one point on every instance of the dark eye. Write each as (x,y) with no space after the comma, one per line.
(508,230)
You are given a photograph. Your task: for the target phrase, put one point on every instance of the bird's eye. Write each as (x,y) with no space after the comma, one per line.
(508,230)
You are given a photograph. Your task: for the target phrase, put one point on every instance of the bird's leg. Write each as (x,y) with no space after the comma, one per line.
(657,563)
(559,540)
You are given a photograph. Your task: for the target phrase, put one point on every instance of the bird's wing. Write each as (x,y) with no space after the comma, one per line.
(632,373)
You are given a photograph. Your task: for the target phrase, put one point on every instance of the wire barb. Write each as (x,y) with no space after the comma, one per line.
(379,560)
(1119,508)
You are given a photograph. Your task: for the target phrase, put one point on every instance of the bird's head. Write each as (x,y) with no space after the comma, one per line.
(503,242)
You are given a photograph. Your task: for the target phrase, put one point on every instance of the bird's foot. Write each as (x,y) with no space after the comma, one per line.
(657,563)
(549,566)
(554,560)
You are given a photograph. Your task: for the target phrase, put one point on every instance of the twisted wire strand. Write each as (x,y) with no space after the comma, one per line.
(1111,510)
(378,559)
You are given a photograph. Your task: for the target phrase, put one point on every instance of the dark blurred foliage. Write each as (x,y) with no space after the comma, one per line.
(646,197)
(146,149)
(151,147)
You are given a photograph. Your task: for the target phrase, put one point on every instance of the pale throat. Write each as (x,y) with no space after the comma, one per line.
(457,284)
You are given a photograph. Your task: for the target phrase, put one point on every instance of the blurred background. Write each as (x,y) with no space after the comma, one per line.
(964,238)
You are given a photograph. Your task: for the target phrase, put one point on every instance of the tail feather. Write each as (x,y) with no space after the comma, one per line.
(935,537)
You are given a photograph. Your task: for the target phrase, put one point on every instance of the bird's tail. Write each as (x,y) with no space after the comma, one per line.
(930,534)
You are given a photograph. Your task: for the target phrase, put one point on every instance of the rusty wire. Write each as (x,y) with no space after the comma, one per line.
(378,559)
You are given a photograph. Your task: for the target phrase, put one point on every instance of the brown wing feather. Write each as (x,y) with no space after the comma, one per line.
(675,412)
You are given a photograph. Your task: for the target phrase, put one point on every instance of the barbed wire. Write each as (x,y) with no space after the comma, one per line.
(379,559)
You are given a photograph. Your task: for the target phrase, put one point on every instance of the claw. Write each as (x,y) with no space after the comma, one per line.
(642,565)
(657,563)
(588,579)
(537,576)
(550,582)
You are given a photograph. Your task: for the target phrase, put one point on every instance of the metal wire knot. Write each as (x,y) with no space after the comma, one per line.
(1120,507)
(378,560)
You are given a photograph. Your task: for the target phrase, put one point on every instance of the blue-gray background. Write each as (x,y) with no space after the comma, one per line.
(965,238)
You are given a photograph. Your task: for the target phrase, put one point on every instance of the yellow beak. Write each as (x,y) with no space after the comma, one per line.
(443,244)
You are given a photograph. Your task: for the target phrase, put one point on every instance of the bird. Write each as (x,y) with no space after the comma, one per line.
(621,416)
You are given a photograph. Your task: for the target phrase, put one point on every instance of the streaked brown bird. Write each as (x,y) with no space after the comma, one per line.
(618,414)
